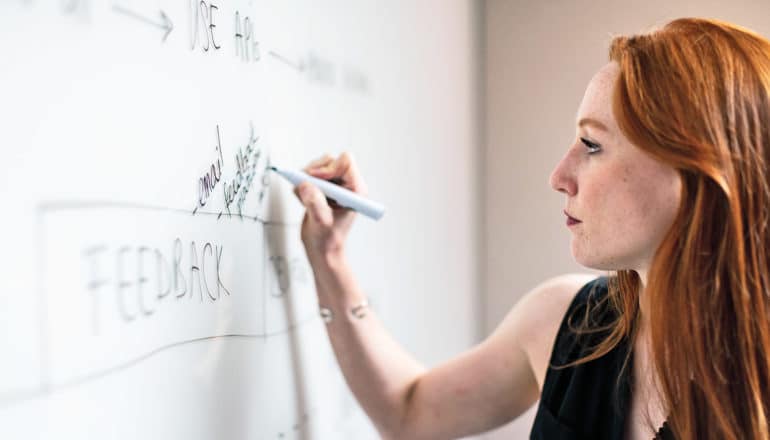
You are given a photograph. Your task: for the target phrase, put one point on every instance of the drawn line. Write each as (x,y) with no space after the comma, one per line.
(133,14)
(15,397)
(46,386)
(167,25)
(66,205)
(298,67)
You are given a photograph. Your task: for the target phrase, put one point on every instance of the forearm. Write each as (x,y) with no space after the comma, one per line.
(380,373)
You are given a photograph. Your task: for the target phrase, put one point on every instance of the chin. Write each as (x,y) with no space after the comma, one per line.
(596,260)
(597,265)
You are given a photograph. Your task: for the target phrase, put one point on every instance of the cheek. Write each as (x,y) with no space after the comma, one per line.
(628,214)
(645,208)
(628,202)
(615,203)
(659,196)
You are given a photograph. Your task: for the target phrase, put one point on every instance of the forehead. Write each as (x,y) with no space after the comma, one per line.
(597,100)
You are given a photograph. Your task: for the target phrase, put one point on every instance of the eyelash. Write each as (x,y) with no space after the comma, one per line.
(592,147)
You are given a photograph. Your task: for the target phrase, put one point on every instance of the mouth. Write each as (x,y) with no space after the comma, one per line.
(571,220)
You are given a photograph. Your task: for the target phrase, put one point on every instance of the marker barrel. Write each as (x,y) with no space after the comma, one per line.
(344,197)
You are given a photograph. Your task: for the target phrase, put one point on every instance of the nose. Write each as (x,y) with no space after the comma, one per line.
(562,177)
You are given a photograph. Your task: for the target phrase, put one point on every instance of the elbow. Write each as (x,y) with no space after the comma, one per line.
(404,433)
(404,425)
(398,434)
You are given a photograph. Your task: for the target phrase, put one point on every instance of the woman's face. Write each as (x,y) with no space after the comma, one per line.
(624,199)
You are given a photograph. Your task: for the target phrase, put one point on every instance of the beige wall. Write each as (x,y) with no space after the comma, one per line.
(540,54)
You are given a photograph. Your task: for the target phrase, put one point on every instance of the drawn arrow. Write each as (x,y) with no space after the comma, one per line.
(300,67)
(165,23)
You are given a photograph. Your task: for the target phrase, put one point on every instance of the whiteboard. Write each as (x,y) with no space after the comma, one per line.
(153,281)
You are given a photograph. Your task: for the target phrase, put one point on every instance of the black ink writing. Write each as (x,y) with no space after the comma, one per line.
(202,22)
(246,46)
(252,168)
(122,284)
(246,159)
(208,181)
(132,281)
(97,281)
(141,279)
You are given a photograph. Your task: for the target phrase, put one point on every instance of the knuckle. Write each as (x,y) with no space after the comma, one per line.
(315,194)
(346,158)
(326,221)
(320,161)
(300,191)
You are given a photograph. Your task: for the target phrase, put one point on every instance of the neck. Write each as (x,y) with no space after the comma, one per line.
(643,303)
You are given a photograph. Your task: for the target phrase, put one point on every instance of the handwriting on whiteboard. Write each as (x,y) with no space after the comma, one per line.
(120,280)
(143,278)
(212,28)
(251,166)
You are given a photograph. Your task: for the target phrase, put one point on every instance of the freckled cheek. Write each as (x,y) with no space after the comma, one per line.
(642,215)
(618,211)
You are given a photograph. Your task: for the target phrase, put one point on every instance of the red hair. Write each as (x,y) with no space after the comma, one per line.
(696,95)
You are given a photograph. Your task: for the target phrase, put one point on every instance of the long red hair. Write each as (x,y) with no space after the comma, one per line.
(695,95)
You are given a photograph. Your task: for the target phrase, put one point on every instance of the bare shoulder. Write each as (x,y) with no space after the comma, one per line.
(535,319)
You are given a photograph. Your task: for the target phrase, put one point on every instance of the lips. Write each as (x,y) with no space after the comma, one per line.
(569,217)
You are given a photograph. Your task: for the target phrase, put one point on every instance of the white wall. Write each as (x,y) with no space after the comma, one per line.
(540,55)
(106,130)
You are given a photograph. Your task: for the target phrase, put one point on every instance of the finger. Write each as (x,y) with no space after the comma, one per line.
(346,169)
(325,172)
(296,193)
(334,205)
(320,162)
(343,171)
(349,180)
(315,203)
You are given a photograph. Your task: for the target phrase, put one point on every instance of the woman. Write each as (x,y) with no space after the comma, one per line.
(666,185)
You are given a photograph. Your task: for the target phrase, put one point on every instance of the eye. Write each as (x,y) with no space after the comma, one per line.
(592,147)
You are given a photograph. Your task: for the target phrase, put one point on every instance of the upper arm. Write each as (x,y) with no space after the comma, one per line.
(500,378)
(537,317)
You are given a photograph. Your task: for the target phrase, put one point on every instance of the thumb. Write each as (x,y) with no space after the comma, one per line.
(315,203)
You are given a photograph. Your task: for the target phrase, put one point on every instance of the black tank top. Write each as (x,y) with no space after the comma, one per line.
(590,400)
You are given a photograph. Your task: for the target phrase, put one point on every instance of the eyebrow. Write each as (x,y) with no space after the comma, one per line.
(595,122)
